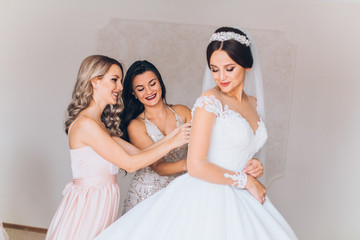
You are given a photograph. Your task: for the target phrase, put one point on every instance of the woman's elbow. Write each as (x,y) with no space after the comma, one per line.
(129,168)
(193,171)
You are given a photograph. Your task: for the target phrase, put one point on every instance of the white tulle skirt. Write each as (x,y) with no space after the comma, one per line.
(189,208)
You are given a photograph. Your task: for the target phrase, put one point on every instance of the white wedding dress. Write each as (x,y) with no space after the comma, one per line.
(193,209)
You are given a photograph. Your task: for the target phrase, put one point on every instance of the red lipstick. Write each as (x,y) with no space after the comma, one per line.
(225,84)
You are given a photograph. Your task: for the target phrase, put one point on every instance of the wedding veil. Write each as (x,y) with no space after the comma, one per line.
(253,86)
(253,80)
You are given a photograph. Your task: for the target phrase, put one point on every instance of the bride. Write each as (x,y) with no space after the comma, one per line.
(216,199)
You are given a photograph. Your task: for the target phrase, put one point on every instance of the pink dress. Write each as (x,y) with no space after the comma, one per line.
(90,202)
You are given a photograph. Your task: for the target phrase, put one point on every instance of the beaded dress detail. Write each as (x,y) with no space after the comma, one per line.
(193,209)
(146,181)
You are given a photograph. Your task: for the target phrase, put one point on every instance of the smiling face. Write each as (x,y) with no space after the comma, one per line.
(109,87)
(228,75)
(147,88)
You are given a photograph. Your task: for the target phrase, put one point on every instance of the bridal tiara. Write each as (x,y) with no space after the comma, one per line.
(224,36)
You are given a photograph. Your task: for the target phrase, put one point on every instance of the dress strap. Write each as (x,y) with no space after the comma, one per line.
(179,121)
(75,120)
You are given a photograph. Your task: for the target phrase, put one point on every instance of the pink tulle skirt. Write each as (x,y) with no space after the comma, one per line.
(88,206)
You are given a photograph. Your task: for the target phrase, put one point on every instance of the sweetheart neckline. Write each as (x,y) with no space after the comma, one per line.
(241,117)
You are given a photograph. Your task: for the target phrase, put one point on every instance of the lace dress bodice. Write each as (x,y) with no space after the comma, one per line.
(233,142)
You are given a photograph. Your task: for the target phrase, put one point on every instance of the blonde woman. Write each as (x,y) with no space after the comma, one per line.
(90,202)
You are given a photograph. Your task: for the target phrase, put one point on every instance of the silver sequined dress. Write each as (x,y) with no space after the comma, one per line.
(146,181)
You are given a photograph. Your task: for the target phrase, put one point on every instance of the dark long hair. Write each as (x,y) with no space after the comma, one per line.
(240,53)
(132,106)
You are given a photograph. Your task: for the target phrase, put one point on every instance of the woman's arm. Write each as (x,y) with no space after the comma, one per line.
(131,149)
(200,167)
(139,137)
(164,168)
(88,132)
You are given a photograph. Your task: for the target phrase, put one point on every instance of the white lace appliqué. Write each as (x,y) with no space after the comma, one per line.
(212,105)
(240,179)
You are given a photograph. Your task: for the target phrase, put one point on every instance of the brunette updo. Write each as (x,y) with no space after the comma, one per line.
(240,53)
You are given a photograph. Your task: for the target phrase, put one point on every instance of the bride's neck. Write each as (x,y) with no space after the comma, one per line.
(237,94)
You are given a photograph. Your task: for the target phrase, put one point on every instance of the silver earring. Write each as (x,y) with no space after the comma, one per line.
(95,88)
(135,96)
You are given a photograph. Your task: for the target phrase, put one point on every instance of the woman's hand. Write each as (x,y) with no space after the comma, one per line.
(256,188)
(180,135)
(254,168)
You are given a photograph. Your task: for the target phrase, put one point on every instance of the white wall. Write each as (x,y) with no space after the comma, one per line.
(43,42)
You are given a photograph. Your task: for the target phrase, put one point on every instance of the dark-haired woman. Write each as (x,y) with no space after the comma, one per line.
(146,118)
(90,202)
(216,199)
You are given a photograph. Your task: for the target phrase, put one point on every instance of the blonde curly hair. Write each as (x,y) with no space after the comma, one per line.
(94,66)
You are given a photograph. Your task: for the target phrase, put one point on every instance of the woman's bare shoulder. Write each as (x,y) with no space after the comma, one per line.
(136,123)
(183,111)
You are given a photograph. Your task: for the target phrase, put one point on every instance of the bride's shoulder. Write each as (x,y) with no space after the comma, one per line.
(211,96)
(211,92)
(210,100)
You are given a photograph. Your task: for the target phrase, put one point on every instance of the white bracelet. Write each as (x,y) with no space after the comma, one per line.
(240,179)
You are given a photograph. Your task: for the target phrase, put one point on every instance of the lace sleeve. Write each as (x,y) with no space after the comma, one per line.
(210,103)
